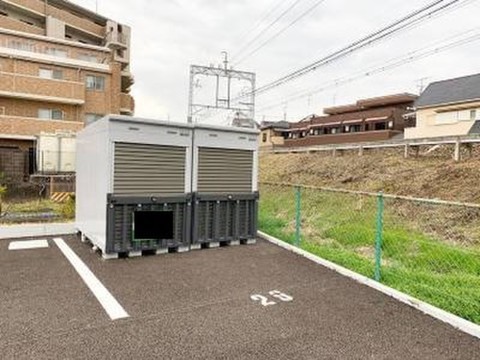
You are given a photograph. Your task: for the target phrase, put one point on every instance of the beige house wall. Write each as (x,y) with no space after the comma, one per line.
(427,126)
(271,138)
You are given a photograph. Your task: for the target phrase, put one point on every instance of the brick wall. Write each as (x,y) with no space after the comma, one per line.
(26,108)
(32,68)
(17,25)
(27,84)
(33,127)
(36,5)
(19,77)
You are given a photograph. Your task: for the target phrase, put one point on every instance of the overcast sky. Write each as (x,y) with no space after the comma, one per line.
(169,35)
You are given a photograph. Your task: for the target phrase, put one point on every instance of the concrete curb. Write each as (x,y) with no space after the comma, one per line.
(36,230)
(442,315)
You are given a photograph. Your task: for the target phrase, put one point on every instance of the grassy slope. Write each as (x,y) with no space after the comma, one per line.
(342,229)
(431,177)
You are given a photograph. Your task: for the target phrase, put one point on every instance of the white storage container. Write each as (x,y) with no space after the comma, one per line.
(225,183)
(56,153)
(134,184)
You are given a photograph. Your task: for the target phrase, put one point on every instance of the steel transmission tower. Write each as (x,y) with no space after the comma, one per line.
(232,92)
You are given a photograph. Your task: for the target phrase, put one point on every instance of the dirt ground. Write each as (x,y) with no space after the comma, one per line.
(433,174)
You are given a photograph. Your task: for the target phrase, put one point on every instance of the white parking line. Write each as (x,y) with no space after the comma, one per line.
(28,244)
(109,303)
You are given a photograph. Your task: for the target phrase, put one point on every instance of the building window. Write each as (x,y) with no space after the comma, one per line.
(264,137)
(473,115)
(91,118)
(451,117)
(380,126)
(355,128)
(50,114)
(95,82)
(56,52)
(50,74)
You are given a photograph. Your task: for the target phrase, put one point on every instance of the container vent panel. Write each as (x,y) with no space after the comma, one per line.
(224,170)
(148,169)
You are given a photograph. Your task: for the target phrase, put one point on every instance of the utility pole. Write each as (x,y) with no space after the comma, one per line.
(239,105)
(225,60)
(421,84)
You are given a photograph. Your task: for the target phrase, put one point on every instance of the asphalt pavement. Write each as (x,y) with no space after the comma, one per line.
(241,302)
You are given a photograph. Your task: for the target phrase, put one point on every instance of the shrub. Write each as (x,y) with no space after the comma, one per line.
(68,208)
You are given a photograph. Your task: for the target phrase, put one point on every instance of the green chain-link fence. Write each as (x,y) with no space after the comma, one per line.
(429,249)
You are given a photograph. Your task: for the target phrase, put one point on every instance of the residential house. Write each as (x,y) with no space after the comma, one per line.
(273,133)
(448,108)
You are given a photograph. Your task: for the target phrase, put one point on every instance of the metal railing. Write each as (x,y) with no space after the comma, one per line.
(429,249)
(467,139)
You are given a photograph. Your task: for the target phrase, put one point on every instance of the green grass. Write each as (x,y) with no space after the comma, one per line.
(31,206)
(341,229)
(64,211)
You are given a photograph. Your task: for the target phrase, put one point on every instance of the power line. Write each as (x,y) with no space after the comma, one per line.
(281,31)
(304,93)
(414,25)
(273,6)
(412,18)
(268,27)
(391,64)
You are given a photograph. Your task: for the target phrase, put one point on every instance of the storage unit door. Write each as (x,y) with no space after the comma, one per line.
(223,171)
(148,169)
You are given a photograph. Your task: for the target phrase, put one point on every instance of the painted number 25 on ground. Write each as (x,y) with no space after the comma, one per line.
(265,301)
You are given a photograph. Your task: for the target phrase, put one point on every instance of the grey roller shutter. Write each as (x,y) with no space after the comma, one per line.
(224,170)
(148,169)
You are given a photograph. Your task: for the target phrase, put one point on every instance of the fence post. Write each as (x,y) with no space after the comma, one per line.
(298,220)
(379,236)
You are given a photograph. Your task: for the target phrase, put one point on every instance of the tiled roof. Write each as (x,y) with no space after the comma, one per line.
(451,91)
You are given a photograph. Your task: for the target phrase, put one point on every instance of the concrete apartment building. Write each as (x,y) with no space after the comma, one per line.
(367,120)
(61,67)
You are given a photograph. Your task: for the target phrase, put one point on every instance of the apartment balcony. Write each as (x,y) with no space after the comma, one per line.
(29,126)
(127,104)
(127,80)
(41,8)
(34,88)
(77,22)
(37,6)
(17,25)
(116,40)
